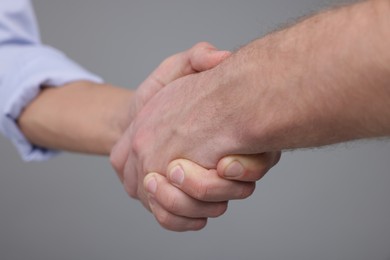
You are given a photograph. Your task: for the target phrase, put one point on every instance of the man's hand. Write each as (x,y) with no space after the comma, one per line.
(306,86)
(180,121)
(201,57)
(190,194)
(190,209)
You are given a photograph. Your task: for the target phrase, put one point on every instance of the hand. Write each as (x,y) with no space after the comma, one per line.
(191,194)
(134,183)
(200,57)
(169,127)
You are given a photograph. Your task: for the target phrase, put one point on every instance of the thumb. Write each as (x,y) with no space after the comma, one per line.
(247,168)
(206,57)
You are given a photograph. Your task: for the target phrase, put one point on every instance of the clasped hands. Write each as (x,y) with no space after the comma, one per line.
(159,164)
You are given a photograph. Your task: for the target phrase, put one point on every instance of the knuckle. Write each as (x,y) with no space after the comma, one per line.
(264,164)
(133,193)
(277,158)
(260,172)
(202,190)
(138,143)
(116,163)
(247,190)
(129,182)
(139,192)
(257,173)
(200,224)
(202,45)
(164,219)
(168,61)
(219,209)
(172,204)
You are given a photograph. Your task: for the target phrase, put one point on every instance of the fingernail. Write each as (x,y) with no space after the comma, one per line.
(177,175)
(234,169)
(151,185)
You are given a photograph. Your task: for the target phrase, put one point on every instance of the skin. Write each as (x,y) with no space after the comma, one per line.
(322,81)
(56,119)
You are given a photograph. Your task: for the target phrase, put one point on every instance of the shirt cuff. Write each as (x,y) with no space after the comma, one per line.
(21,84)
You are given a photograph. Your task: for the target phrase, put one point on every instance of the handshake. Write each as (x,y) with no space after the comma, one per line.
(175,143)
(207,124)
(183,193)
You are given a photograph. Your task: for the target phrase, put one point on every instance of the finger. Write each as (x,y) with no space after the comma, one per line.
(247,168)
(119,154)
(206,185)
(173,222)
(202,56)
(165,218)
(176,202)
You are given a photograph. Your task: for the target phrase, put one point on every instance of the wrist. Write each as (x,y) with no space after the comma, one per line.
(317,78)
(234,96)
(117,110)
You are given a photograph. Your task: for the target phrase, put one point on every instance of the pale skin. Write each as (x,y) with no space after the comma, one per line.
(322,81)
(87,117)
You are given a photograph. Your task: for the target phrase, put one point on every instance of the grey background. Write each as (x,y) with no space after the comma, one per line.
(330,203)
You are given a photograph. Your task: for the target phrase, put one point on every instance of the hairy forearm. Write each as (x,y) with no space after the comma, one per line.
(322,81)
(80,117)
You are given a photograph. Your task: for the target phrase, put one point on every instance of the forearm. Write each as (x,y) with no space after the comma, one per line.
(322,81)
(80,117)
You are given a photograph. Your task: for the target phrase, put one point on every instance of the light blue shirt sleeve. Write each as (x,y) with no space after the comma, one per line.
(26,65)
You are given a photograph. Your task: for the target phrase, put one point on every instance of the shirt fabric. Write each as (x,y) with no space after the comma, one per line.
(25,65)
